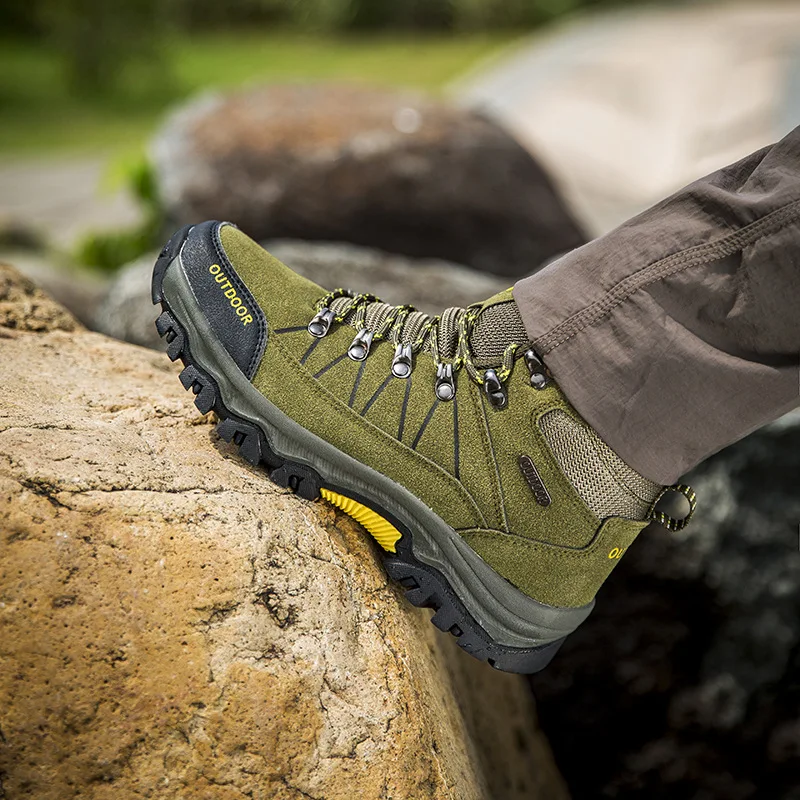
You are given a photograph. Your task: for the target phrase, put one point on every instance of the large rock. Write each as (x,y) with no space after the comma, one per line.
(625,109)
(24,307)
(174,626)
(125,311)
(396,171)
(78,290)
(692,656)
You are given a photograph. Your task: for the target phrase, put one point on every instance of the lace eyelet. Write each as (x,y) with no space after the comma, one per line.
(321,323)
(494,390)
(402,364)
(537,369)
(445,386)
(359,349)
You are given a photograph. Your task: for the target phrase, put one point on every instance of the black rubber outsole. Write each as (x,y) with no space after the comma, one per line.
(424,585)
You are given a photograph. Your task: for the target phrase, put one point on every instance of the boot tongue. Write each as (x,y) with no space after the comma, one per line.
(498,325)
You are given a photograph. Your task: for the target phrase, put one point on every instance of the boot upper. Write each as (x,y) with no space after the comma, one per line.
(530,487)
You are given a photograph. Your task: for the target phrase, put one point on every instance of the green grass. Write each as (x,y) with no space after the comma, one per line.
(38,113)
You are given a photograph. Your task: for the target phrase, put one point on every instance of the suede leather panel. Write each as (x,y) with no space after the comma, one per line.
(553,575)
(420,400)
(281,378)
(325,351)
(294,304)
(436,441)
(376,368)
(385,411)
(340,379)
(480,467)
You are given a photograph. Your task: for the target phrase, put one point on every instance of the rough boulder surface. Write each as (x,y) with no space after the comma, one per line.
(174,626)
(395,171)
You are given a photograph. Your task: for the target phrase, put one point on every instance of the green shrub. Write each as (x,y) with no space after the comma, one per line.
(433,14)
(97,34)
(110,251)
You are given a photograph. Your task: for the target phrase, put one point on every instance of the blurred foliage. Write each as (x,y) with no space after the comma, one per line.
(95,73)
(98,38)
(141,182)
(110,250)
(40,112)
(433,14)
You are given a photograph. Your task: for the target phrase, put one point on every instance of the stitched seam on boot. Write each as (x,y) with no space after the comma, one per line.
(693,257)
(475,400)
(430,467)
(502,503)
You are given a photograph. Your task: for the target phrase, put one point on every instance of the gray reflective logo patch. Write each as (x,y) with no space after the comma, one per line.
(531,475)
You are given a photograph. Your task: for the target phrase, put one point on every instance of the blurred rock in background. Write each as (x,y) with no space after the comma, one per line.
(627,107)
(126,311)
(392,170)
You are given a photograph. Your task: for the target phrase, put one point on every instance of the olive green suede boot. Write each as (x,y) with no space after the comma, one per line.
(446,437)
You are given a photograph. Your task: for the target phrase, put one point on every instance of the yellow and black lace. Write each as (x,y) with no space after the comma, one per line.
(445,336)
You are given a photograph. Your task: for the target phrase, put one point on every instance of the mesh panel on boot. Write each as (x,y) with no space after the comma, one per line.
(608,486)
(497,326)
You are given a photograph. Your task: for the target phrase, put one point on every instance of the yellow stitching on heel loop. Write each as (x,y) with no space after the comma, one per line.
(384,533)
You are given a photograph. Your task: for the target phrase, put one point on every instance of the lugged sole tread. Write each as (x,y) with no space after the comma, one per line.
(424,586)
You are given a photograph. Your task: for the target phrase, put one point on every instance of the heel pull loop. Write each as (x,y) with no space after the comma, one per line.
(669,522)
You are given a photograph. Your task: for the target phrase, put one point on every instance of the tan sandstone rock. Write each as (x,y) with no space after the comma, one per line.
(174,626)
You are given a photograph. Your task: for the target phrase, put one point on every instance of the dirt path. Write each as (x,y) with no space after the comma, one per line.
(62,197)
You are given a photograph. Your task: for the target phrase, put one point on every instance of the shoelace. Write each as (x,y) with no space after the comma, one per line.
(446,336)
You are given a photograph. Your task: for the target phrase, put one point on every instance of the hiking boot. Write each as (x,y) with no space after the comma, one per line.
(445,437)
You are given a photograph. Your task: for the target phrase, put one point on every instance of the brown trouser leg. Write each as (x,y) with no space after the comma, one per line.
(679,332)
